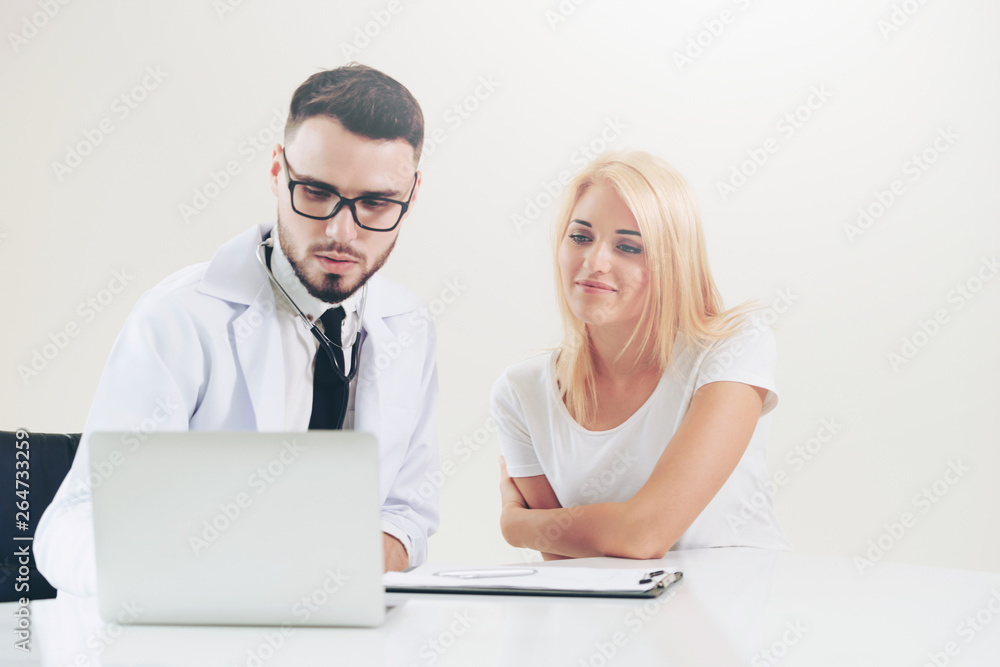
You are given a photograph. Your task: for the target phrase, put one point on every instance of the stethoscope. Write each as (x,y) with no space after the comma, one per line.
(263,255)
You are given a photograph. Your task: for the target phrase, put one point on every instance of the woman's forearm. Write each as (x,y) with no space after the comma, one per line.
(636,528)
(620,530)
(602,529)
(558,531)
(700,457)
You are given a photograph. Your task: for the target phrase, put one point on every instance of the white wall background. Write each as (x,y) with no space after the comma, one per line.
(556,85)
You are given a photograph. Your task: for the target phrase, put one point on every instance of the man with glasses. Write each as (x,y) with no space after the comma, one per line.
(288,328)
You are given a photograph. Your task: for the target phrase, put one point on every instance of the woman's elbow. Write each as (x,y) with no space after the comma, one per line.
(646,536)
(643,547)
(509,529)
(655,547)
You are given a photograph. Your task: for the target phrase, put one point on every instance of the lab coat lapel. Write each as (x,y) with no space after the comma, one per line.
(258,348)
(235,275)
(372,381)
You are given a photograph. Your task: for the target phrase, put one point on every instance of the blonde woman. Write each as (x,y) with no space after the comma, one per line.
(645,430)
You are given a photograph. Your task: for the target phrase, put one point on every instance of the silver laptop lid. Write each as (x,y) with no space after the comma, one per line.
(240,528)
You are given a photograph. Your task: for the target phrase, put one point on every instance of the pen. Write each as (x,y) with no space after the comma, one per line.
(486,574)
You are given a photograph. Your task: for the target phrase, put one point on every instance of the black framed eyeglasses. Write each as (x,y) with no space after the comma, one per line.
(321,202)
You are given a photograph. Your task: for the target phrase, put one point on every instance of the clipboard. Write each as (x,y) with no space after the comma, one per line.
(551,581)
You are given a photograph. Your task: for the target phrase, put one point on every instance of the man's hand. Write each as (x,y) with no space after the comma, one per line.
(396,558)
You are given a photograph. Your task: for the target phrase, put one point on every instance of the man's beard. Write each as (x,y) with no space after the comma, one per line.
(331,288)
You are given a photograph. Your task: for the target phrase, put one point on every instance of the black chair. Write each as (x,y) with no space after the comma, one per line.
(47,458)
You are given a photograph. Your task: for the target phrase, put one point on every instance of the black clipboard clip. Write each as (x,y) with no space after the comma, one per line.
(661,585)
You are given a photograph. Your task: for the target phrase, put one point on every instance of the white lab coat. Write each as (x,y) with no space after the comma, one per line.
(202,351)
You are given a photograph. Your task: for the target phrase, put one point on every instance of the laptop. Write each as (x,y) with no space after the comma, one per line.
(239,528)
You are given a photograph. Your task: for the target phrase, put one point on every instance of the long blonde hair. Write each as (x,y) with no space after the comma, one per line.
(682,297)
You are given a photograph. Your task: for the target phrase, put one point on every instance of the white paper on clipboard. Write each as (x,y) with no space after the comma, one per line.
(468,578)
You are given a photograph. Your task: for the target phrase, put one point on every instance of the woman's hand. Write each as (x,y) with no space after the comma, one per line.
(511,502)
(509,493)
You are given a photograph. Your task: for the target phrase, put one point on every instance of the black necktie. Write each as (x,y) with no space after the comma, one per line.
(330,387)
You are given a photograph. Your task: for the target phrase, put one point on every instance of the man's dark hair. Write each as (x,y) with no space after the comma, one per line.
(364,100)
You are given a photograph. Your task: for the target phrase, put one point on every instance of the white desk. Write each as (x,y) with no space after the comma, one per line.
(732,606)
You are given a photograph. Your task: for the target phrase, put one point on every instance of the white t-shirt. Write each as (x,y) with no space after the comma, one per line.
(538,436)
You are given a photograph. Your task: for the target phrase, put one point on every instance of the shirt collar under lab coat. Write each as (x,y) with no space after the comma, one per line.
(307,303)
